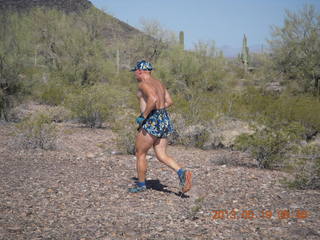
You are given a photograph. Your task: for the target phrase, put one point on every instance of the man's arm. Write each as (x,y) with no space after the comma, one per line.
(142,102)
(151,98)
(168,99)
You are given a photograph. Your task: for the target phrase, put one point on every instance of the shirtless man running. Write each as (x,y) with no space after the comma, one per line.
(154,127)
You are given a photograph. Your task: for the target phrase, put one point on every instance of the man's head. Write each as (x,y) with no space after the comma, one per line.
(142,65)
(142,70)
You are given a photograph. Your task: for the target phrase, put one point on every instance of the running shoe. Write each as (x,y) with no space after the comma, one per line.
(185,181)
(137,189)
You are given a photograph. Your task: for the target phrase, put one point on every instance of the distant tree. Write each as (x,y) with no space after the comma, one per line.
(154,29)
(207,49)
(157,39)
(296,48)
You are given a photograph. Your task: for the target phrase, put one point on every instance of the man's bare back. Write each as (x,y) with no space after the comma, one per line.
(152,90)
(156,89)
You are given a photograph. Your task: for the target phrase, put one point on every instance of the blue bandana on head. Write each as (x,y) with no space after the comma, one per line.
(142,65)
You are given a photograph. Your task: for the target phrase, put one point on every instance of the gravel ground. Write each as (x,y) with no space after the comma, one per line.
(79,191)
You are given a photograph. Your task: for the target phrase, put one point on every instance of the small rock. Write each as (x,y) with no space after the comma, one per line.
(115,153)
(14,229)
(90,155)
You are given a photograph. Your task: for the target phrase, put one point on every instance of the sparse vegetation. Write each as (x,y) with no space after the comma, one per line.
(36,131)
(123,123)
(67,131)
(67,60)
(270,145)
(304,163)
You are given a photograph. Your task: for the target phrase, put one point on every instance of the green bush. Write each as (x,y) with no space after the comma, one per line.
(126,139)
(304,164)
(271,109)
(270,145)
(95,104)
(123,123)
(202,70)
(295,49)
(36,131)
(126,142)
(51,93)
(89,106)
(3,111)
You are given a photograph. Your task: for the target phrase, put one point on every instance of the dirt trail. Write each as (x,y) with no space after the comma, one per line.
(79,191)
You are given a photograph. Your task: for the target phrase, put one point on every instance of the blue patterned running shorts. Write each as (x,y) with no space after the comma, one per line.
(158,123)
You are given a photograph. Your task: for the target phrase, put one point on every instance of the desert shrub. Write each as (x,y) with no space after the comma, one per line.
(295,48)
(184,109)
(95,104)
(271,109)
(51,93)
(36,131)
(185,72)
(89,106)
(304,164)
(3,106)
(196,137)
(179,124)
(126,140)
(123,123)
(270,145)
(193,135)
(195,108)
(59,114)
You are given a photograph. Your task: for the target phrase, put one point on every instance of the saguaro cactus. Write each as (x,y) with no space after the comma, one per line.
(245,54)
(181,39)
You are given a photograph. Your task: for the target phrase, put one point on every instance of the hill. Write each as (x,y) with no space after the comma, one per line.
(68,6)
(114,28)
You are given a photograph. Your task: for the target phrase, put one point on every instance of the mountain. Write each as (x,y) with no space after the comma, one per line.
(67,6)
(111,28)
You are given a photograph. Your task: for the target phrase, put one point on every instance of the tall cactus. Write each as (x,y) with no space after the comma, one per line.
(245,54)
(181,39)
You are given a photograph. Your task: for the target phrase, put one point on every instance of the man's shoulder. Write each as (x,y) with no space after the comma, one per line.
(157,83)
(150,85)
(145,86)
(142,85)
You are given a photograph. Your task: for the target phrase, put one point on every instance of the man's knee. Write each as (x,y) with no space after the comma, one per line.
(140,153)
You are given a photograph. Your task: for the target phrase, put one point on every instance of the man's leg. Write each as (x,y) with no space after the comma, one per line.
(160,149)
(144,142)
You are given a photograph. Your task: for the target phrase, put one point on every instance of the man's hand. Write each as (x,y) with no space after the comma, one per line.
(140,120)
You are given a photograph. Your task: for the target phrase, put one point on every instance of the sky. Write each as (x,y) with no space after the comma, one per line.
(223,21)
